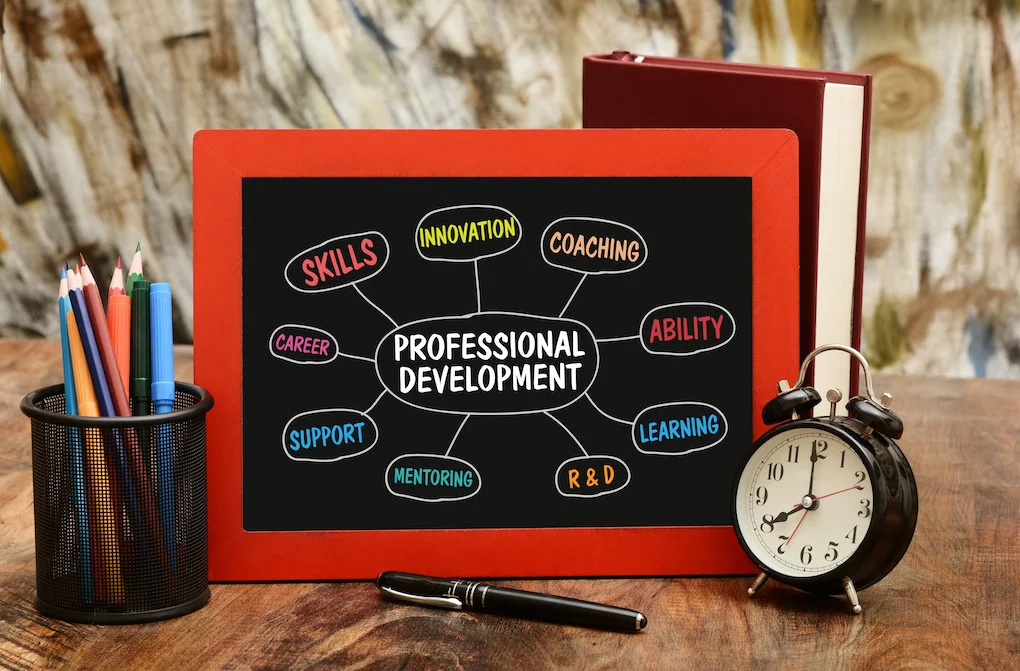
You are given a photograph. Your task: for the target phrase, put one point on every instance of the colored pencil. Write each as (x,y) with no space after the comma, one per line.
(101,330)
(118,317)
(122,487)
(141,363)
(81,509)
(70,402)
(141,499)
(162,353)
(88,339)
(116,283)
(135,271)
(109,583)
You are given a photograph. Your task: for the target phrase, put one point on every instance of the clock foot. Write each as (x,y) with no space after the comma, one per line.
(758,582)
(851,595)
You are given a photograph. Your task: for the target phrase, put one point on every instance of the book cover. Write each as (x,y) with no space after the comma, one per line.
(624,90)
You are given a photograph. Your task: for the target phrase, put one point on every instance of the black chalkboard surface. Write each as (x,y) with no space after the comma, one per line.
(456,353)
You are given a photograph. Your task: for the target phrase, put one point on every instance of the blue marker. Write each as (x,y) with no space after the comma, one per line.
(162,353)
(81,513)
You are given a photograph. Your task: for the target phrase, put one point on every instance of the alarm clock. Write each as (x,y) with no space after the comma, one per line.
(826,504)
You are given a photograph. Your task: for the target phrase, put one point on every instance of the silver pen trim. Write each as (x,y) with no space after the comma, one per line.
(447,602)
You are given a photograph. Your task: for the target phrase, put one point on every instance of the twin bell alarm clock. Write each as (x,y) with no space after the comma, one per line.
(827,504)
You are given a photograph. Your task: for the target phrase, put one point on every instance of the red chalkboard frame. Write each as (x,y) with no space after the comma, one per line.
(223,158)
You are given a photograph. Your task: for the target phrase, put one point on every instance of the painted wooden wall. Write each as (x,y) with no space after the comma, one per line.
(100,98)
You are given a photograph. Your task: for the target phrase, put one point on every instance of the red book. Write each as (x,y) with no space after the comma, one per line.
(830,113)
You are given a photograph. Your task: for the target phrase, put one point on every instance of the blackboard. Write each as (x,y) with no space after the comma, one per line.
(624,398)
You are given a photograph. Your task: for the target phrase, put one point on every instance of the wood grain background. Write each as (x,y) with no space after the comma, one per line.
(100,98)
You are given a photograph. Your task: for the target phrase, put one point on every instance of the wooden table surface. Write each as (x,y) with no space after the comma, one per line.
(952,602)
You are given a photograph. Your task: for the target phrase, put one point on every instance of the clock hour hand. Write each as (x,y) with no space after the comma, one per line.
(782,517)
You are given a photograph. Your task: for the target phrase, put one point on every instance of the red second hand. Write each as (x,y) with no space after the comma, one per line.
(795,528)
(819,498)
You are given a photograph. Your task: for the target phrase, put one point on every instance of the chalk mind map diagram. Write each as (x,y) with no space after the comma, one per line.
(495,363)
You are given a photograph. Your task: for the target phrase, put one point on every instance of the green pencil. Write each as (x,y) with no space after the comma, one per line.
(141,364)
(135,271)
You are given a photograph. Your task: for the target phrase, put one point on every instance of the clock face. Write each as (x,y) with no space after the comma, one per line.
(804,502)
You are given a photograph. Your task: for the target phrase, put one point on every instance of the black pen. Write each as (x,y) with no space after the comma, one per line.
(461,594)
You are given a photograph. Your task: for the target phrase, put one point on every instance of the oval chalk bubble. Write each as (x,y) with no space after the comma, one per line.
(466,233)
(593,246)
(677,428)
(302,344)
(684,329)
(468,364)
(338,262)
(329,435)
(432,478)
(592,476)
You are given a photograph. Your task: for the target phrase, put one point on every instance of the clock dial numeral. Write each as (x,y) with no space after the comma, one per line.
(805,554)
(820,447)
(782,545)
(793,454)
(775,472)
(860,475)
(852,535)
(832,551)
(866,510)
(842,459)
(762,495)
(767,521)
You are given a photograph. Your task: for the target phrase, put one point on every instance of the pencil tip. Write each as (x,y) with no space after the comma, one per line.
(138,247)
(63,274)
(67,264)
(77,269)
(119,267)
(82,257)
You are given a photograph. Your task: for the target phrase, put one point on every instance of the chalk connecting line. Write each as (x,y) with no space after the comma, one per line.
(564,427)
(478,289)
(459,428)
(356,357)
(571,299)
(381,311)
(604,413)
(620,339)
(376,401)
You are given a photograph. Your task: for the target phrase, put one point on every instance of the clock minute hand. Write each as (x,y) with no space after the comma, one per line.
(814,460)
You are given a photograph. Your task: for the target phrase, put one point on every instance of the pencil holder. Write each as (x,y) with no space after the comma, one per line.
(120,510)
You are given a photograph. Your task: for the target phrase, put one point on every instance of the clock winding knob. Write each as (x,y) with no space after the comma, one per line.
(833,396)
(875,417)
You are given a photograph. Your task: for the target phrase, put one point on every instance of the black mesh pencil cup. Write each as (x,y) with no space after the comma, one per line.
(120,510)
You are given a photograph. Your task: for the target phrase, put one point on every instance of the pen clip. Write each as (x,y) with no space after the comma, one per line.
(447,602)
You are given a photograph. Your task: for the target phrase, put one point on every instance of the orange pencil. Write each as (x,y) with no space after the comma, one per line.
(116,282)
(110,584)
(118,316)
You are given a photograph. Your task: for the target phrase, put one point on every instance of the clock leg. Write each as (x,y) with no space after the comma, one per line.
(851,595)
(758,582)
